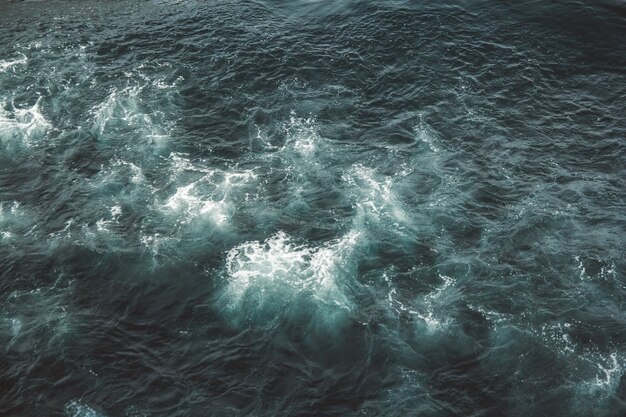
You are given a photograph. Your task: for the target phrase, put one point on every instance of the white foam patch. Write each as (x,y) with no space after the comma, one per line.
(133,411)
(138,73)
(5,65)
(262,140)
(103,235)
(608,370)
(144,107)
(181,164)
(119,105)
(188,201)
(273,276)
(593,376)
(375,198)
(303,151)
(7,235)
(120,183)
(212,196)
(114,213)
(302,136)
(410,393)
(75,408)
(16,326)
(124,111)
(8,211)
(22,126)
(432,310)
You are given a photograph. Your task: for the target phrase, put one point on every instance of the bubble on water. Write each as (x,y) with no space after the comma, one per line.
(116,211)
(54,238)
(408,394)
(557,337)
(301,160)
(157,243)
(120,105)
(7,235)
(436,304)
(133,411)
(16,326)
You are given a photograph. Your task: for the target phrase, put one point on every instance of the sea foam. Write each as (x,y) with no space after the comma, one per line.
(280,276)
(22,125)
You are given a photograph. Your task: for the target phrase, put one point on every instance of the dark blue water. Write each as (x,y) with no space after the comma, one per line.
(312,208)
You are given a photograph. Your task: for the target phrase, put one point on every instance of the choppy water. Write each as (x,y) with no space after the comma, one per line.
(312,208)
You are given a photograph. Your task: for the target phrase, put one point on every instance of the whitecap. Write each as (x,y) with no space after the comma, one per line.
(22,125)
(188,202)
(7,235)
(7,64)
(103,225)
(278,275)
(206,193)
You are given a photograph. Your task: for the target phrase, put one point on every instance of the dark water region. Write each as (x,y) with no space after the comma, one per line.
(312,208)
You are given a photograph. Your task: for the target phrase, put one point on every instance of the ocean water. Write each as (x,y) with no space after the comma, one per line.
(312,208)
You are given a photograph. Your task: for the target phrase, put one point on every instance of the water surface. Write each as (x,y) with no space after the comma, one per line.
(312,208)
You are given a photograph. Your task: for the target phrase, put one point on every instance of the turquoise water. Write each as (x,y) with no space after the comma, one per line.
(312,208)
